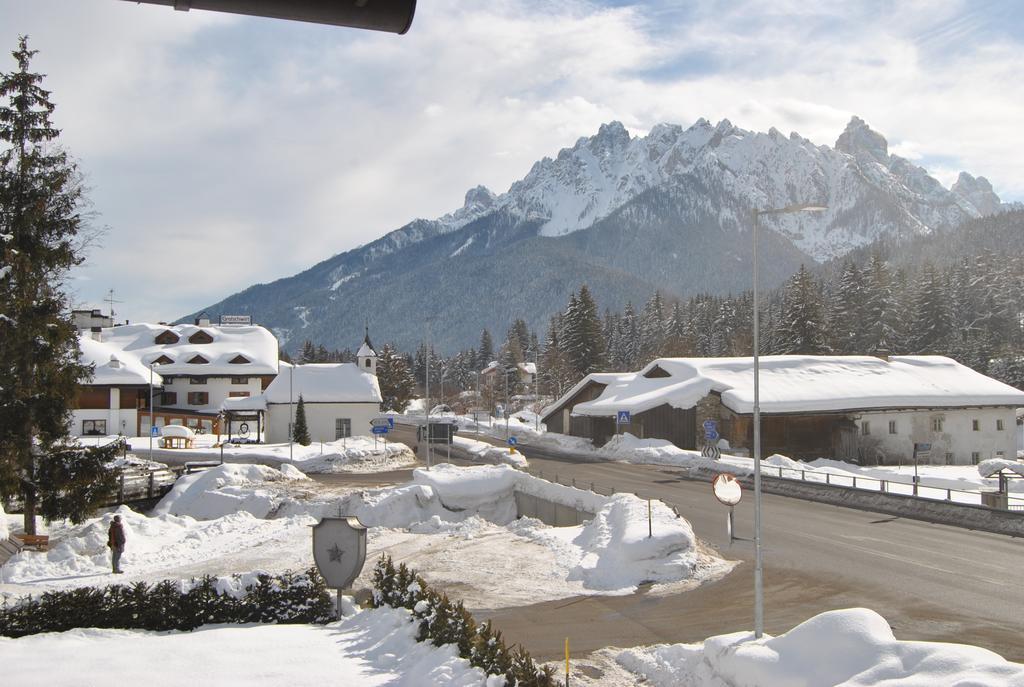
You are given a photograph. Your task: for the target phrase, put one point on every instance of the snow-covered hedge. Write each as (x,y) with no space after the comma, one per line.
(443,622)
(173,605)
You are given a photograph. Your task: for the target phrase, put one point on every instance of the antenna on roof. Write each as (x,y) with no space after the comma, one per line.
(110,299)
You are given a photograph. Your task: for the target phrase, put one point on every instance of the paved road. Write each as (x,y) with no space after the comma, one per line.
(931,582)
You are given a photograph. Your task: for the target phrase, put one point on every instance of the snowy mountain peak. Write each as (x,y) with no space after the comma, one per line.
(977,191)
(479,196)
(859,138)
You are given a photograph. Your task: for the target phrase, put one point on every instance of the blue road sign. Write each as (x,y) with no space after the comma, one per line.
(710,429)
(712,436)
(154,431)
(380,430)
(512,441)
(623,417)
(391,422)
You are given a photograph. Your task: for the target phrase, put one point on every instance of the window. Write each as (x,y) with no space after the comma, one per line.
(239,380)
(342,428)
(975,457)
(198,360)
(166,337)
(892,426)
(865,428)
(168,398)
(198,398)
(239,360)
(367,362)
(200,337)
(197,380)
(238,394)
(94,427)
(975,425)
(999,425)
(163,360)
(936,424)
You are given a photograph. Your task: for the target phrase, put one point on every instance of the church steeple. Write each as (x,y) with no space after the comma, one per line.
(366,357)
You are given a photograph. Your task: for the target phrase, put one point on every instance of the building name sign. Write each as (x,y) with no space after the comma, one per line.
(236,320)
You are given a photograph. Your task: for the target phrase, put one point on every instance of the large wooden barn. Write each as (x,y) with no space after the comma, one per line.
(860,408)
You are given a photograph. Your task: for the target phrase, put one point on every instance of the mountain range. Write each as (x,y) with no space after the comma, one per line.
(624,214)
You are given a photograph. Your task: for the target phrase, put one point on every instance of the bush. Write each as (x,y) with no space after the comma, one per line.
(443,622)
(289,598)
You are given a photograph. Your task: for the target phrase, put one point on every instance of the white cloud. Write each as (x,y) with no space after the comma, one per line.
(226,151)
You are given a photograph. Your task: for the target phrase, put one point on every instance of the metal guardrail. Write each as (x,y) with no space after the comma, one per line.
(888,486)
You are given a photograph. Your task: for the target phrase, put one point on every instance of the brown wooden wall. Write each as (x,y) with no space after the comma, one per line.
(801,437)
(665,422)
(93,398)
(554,419)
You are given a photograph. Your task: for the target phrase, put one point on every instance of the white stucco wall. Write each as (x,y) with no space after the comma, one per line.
(119,420)
(320,419)
(958,436)
(218,389)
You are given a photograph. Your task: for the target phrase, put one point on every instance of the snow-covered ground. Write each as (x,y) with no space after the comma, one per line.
(456,525)
(356,454)
(373,647)
(851,648)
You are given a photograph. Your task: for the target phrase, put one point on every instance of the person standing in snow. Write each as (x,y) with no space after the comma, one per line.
(115,540)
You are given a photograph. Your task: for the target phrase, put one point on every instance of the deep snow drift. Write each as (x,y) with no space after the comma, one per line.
(850,648)
(373,647)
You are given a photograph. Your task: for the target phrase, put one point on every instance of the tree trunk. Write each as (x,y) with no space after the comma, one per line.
(29,494)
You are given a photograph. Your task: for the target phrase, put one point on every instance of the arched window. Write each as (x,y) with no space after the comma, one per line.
(239,360)
(198,360)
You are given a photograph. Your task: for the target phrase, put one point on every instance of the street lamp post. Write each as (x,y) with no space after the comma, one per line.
(151,425)
(758,554)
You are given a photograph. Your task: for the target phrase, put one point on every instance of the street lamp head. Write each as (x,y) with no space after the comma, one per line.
(790,209)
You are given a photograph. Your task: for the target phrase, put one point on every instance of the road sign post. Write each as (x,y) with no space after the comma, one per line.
(710,448)
(728,492)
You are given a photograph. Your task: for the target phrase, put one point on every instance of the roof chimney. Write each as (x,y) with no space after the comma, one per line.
(97,333)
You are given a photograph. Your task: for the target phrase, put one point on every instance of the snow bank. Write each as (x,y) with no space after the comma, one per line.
(226,489)
(852,647)
(488,453)
(356,454)
(374,647)
(160,543)
(619,552)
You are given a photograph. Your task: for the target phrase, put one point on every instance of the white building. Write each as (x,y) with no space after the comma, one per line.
(117,394)
(339,399)
(848,407)
(196,368)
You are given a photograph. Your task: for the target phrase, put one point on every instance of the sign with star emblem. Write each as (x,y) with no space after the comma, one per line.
(339,550)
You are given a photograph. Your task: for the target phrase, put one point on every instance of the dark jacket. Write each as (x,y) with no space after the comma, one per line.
(115,536)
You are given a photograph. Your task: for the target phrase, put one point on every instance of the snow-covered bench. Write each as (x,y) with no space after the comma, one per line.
(176,436)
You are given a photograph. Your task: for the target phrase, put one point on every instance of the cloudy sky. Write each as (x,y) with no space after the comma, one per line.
(224,151)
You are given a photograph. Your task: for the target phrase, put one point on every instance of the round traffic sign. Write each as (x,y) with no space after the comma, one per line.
(727,489)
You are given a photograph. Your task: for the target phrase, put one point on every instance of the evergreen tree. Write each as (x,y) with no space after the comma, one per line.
(300,431)
(930,323)
(555,377)
(41,201)
(486,351)
(881,313)
(802,327)
(308,353)
(846,310)
(397,385)
(652,329)
(582,342)
(627,350)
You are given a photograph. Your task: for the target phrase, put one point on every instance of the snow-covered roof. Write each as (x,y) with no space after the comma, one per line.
(988,468)
(324,383)
(365,351)
(799,383)
(239,404)
(253,348)
(528,368)
(112,365)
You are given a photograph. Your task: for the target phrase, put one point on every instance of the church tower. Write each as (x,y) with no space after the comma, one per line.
(366,357)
